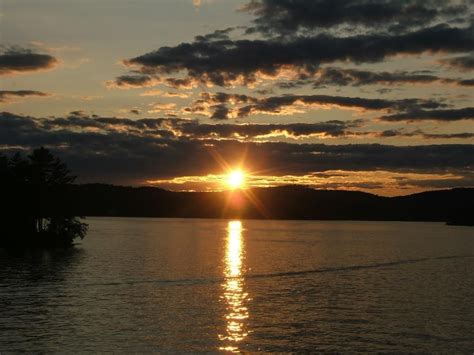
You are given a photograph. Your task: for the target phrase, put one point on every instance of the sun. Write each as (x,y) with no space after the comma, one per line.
(236,179)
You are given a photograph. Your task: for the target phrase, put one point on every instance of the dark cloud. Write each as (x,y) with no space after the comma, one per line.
(397,133)
(217,35)
(215,105)
(184,83)
(172,127)
(390,133)
(222,97)
(332,76)
(354,77)
(293,16)
(130,156)
(193,129)
(132,81)
(333,128)
(77,113)
(220,112)
(78,120)
(467,82)
(276,103)
(224,62)
(446,183)
(264,92)
(462,135)
(7,96)
(17,60)
(433,115)
(464,63)
(293,84)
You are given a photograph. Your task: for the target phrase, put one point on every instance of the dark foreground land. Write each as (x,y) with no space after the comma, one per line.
(455,206)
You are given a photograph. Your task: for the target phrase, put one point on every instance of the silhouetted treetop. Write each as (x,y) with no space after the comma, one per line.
(48,170)
(37,205)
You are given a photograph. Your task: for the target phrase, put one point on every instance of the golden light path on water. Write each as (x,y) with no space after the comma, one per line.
(233,289)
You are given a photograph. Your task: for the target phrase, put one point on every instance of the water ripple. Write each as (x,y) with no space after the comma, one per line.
(190,282)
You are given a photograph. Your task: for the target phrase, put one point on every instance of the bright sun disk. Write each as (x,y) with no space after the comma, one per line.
(236,179)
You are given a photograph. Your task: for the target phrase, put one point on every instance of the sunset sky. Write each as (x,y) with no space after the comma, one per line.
(364,95)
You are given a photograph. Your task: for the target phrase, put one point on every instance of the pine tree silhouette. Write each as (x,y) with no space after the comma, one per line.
(36,202)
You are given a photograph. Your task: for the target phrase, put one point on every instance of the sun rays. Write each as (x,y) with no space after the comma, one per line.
(236,179)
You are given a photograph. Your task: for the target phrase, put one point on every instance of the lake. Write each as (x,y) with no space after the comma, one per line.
(135,285)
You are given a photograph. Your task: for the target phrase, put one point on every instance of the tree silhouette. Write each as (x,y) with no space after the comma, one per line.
(37,201)
(47,175)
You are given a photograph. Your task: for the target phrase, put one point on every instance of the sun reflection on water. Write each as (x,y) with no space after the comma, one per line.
(233,289)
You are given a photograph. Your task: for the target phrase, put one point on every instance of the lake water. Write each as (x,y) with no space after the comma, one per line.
(204,285)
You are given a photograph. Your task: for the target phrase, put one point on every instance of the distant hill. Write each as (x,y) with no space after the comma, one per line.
(455,206)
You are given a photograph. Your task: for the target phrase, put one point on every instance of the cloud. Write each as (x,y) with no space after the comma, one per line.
(133,151)
(78,113)
(17,60)
(432,115)
(186,83)
(181,95)
(215,106)
(230,62)
(289,17)
(466,82)
(195,130)
(9,96)
(354,77)
(190,129)
(220,112)
(276,103)
(333,128)
(397,133)
(216,35)
(132,81)
(463,63)
(462,135)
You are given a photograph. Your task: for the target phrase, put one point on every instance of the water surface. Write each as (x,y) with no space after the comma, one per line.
(208,285)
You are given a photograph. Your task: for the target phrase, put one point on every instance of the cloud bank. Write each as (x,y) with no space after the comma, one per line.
(133,151)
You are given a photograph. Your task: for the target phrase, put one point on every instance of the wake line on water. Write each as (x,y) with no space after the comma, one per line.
(357,267)
(189,282)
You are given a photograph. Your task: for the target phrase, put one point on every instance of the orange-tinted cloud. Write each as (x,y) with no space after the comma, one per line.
(9,96)
(16,60)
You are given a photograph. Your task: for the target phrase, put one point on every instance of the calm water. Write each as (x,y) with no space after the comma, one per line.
(204,285)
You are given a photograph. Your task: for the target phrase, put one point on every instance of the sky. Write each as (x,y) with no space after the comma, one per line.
(366,95)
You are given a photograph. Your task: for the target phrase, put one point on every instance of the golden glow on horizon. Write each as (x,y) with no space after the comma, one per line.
(386,183)
(236,179)
(233,289)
